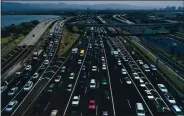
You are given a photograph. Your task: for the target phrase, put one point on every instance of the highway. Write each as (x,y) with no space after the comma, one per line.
(93,81)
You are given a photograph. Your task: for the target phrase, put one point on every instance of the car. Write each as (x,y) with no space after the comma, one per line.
(119,62)
(123,71)
(46,62)
(136,76)
(75,101)
(42,67)
(72,75)
(3,88)
(18,73)
(44,55)
(11,105)
(83,67)
(12,91)
(50,54)
(63,69)
(140,62)
(91,105)
(139,109)
(92,83)
(142,84)
(103,66)
(162,88)
(28,67)
(149,95)
(57,79)
(69,88)
(133,52)
(104,81)
(153,67)
(54,113)
(79,61)
(28,86)
(177,110)
(104,113)
(106,94)
(128,81)
(35,76)
(169,98)
(51,87)
(94,68)
(125,60)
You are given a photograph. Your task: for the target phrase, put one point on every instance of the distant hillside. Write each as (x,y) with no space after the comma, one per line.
(7,6)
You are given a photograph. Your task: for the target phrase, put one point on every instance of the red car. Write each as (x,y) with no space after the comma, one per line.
(91,104)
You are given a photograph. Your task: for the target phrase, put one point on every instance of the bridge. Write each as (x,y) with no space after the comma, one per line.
(123,25)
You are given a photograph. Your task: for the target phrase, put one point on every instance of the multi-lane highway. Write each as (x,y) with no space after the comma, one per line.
(103,76)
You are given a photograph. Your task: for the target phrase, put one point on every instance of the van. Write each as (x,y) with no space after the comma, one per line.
(54,113)
(140,109)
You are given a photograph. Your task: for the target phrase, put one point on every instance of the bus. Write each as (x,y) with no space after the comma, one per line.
(82,53)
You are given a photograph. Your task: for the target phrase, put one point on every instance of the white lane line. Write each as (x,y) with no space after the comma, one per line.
(33,87)
(143,73)
(60,84)
(18,83)
(120,81)
(81,113)
(129,103)
(139,92)
(76,81)
(46,106)
(6,82)
(109,81)
(86,90)
(96,110)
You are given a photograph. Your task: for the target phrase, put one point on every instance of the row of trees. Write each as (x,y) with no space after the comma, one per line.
(23,28)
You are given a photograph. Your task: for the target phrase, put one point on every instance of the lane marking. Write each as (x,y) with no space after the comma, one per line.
(18,83)
(129,103)
(96,110)
(120,81)
(76,80)
(60,84)
(46,106)
(6,82)
(86,90)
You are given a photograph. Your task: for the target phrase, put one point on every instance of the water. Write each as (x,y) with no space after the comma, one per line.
(17,19)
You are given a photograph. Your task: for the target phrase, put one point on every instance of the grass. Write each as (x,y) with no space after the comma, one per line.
(7,45)
(68,39)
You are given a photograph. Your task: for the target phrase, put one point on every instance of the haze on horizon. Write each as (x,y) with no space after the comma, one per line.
(137,3)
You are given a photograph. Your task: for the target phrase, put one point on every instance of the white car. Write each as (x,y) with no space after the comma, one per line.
(128,81)
(44,55)
(12,91)
(162,88)
(79,61)
(11,106)
(133,52)
(92,84)
(153,67)
(94,68)
(28,67)
(140,62)
(123,71)
(28,86)
(142,84)
(170,98)
(149,95)
(103,66)
(46,62)
(75,101)
(136,76)
(58,78)
(177,110)
(35,76)
(69,88)
(119,62)
(63,69)
(72,75)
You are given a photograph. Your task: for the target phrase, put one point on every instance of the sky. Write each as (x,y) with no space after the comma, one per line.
(137,3)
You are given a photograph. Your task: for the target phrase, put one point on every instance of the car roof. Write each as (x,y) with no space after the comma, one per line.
(176,108)
(12,102)
(139,106)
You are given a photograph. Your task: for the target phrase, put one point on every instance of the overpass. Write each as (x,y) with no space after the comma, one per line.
(123,25)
